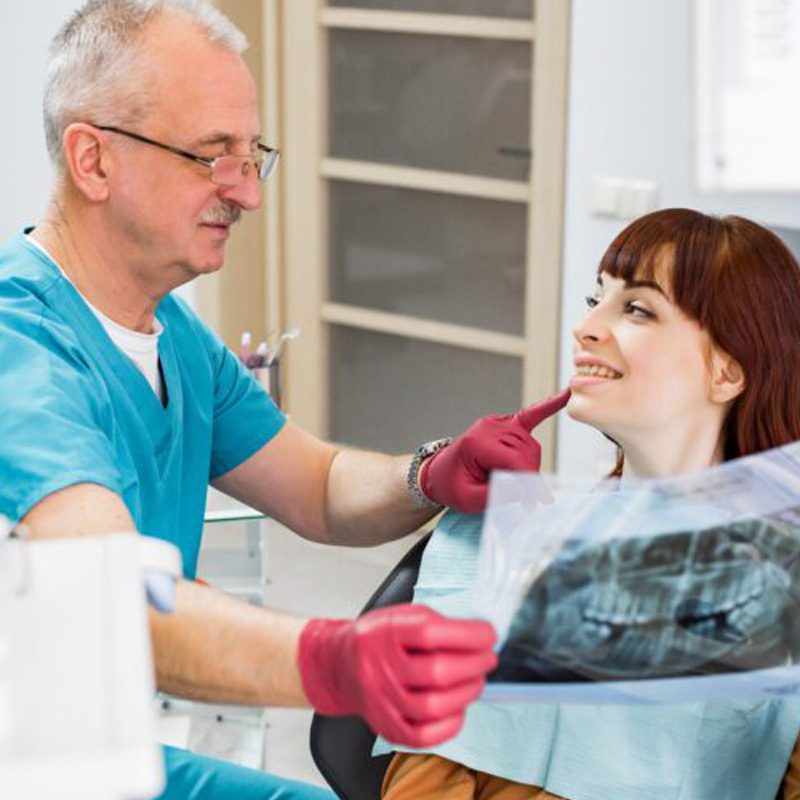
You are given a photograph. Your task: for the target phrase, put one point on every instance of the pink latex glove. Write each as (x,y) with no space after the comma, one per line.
(407,670)
(458,475)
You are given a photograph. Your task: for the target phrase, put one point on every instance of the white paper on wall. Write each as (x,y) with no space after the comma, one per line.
(747,73)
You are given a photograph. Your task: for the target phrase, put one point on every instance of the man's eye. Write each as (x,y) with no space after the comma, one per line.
(591,300)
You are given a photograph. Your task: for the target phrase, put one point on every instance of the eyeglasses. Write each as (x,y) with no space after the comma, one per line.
(225,170)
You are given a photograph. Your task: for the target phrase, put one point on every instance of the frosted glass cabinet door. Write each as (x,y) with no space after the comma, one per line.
(426,254)
(424,212)
(434,102)
(393,393)
(510,9)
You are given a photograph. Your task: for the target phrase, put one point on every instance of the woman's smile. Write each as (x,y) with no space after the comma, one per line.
(591,371)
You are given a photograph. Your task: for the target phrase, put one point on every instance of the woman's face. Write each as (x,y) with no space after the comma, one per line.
(641,365)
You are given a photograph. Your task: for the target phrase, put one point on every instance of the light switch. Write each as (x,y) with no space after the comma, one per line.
(605,196)
(622,199)
(638,198)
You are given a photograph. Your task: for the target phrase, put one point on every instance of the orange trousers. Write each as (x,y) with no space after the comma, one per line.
(790,788)
(413,776)
(418,777)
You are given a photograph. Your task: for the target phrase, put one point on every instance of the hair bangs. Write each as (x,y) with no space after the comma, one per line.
(644,251)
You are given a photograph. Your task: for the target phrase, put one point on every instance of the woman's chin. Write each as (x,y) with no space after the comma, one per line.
(580,409)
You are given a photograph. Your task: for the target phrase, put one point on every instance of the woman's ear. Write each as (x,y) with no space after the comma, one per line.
(727,377)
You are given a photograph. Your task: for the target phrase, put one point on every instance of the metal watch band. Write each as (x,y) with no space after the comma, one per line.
(412,476)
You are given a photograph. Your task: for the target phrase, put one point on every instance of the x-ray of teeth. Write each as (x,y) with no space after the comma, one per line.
(680,604)
(618,583)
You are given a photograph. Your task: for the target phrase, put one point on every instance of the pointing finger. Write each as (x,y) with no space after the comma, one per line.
(531,416)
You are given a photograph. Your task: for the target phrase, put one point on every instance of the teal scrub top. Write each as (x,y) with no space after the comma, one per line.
(699,751)
(76,409)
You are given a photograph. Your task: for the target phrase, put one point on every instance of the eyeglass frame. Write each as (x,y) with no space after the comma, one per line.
(270,160)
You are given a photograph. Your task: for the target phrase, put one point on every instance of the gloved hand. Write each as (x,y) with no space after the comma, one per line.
(458,475)
(407,670)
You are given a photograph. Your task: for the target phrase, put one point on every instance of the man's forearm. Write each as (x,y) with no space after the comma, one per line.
(220,650)
(327,495)
(367,500)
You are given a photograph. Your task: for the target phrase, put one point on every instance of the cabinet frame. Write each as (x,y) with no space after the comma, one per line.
(308,169)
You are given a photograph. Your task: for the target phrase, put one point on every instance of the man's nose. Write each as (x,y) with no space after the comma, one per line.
(246,195)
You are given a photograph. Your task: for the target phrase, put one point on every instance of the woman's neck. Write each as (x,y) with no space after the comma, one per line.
(666,453)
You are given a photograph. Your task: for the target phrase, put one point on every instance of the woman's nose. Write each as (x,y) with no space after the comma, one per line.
(590,328)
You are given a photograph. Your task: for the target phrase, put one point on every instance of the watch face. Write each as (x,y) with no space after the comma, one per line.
(429,448)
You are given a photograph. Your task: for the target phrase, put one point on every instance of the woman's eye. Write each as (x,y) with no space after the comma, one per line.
(591,301)
(635,310)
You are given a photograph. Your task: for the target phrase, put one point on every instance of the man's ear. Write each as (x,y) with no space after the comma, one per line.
(727,377)
(85,156)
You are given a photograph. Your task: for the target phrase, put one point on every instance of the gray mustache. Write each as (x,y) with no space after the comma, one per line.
(223,215)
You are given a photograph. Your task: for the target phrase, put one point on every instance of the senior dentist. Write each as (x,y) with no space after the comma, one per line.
(120,405)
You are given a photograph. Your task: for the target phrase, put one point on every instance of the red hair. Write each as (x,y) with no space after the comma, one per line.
(741,283)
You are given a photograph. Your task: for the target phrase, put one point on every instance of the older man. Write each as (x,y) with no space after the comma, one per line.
(120,405)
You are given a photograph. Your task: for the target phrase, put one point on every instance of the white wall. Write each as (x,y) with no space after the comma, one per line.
(631,116)
(25,32)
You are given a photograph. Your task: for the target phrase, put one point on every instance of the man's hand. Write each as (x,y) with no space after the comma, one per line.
(458,475)
(408,671)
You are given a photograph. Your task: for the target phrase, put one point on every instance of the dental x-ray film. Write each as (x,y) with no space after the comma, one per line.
(645,591)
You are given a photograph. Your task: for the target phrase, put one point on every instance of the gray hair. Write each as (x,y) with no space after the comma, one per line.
(95,72)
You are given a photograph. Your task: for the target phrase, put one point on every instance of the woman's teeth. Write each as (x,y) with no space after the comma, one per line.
(595,370)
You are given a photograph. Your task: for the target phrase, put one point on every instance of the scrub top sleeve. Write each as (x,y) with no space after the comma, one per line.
(51,431)
(245,418)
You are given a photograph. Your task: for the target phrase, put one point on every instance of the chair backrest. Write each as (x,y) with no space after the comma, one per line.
(342,746)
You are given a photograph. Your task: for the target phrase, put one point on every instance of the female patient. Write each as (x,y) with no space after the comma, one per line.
(688,355)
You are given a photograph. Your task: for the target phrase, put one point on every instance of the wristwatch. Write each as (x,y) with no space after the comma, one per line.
(412,476)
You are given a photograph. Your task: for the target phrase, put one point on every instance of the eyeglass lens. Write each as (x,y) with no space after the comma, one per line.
(232,170)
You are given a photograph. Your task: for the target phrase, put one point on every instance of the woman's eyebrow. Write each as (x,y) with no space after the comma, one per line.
(632,284)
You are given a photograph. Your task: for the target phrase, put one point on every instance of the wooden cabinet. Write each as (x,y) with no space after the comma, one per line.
(414,228)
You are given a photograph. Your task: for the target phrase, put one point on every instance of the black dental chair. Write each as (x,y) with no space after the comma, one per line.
(342,746)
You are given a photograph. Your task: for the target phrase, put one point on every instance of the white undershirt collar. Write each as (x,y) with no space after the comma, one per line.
(141,348)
